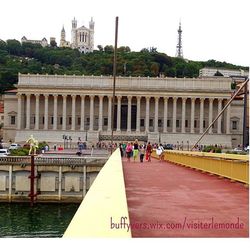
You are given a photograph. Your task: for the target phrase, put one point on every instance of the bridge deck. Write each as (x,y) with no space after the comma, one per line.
(166,200)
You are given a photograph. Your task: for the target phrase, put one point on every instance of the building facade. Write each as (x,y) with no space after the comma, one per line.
(167,110)
(82,38)
(209,72)
(43,42)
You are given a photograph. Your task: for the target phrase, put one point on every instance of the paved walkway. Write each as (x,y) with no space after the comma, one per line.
(166,200)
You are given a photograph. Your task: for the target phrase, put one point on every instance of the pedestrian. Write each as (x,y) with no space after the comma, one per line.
(55,146)
(121,149)
(148,151)
(160,152)
(142,152)
(129,150)
(135,149)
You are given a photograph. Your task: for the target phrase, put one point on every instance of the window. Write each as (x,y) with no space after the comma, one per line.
(52,120)
(150,122)
(79,120)
(195,123)
(186,123)
(168,123)
(142,122)
(70,120)
(105,122)
(177,123)
(12,120)
(34,119)
(87,121)
(159,123)
(61,120)
(234,125)
(204,124)
(43,120)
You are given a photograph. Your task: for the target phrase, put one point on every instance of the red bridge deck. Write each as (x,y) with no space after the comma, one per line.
(166,200)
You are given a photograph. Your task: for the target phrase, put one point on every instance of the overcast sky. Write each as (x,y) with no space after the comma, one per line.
(212,29)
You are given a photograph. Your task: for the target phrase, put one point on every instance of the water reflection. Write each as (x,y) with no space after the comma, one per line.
(42,220)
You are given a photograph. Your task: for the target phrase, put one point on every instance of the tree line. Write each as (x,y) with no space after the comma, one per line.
(33,58)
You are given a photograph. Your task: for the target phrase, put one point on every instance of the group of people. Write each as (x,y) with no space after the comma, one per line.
(144,150)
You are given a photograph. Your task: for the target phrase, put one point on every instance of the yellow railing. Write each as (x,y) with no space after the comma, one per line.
(234,167)
(104,204)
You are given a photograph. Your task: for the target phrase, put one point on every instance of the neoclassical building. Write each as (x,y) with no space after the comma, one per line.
(167,110)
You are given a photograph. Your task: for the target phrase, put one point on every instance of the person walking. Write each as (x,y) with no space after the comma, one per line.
(129,150)
(136,149)
(142,152)
(160,152)
(148,152)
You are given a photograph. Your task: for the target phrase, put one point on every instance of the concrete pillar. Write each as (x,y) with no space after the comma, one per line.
(210,117)
(27,111)
(73,113)
(156,114)
(138,115)
(91,117)
(118,126)
(174,113)
(55,113)
(183,115)
(165,119)
(147,114)
(82,112)
(64,112)
(192,114)
(37,111)
(19,111)
(228,131)
(46,115)
(219,119)
(109,113)
(129,114)
(201,114)
(100,112)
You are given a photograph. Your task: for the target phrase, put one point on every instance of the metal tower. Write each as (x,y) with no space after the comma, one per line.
(179,52)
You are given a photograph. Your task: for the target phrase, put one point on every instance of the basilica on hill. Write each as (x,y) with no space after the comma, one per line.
(82,38)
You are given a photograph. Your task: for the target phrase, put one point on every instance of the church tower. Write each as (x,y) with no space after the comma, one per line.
(63,37)
(73,34)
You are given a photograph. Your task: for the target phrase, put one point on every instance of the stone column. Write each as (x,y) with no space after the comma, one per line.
(19,110)
(183,115)
(192,114)
(55,113)
(201,114)
(228,130)
(64,112)
(129,114)
(165,120)
(91,116)
(118,127)
(174,113)
(109,113)
(46,116)
(219,119)
(147,114)
(28,111)
(100,112)
(73,115)
(37,111)
(82,112)
(210,117)
(156,114)
(138,115)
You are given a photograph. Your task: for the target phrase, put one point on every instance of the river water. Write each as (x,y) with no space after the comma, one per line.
(20,220)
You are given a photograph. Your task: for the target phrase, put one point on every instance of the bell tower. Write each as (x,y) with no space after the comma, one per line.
(73,33)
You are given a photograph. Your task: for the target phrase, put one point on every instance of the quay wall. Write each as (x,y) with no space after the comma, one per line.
(57,179)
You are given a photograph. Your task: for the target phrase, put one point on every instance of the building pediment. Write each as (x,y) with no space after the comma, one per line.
(12,113)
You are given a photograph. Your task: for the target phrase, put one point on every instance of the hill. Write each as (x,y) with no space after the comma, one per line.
(33,58)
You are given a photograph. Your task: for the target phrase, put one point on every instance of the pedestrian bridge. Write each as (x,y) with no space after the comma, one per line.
(189,194)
